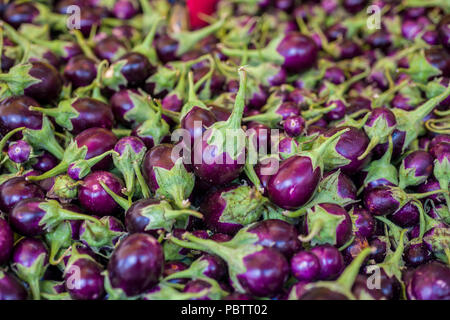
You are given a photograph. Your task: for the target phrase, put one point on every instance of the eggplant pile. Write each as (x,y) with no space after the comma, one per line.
(237,150)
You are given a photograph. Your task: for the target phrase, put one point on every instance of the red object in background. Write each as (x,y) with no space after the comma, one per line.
(198,7)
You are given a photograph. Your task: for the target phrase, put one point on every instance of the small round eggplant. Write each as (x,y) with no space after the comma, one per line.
(17,189)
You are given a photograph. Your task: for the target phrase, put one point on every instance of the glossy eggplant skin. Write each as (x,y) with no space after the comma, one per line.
(11,288)
(89,282)
(136,264)
(97,141)
(6,241)
(17,189)
(429,281)
(14,113)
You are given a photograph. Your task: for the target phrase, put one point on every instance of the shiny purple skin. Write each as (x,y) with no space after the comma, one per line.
(411,29)
(125,9)
(6,242)
(214,167)
(285,145)
(380,246)
(305,266)
(321,293)
(444,31)
(206,119)
(337,113)
(92,114)
(384,113)
(335,75)
(166,48)
(287,109)
(346,189)
(380,201)
(354,6)
(216,268)
(264,178)
(428,186)
(278,235)
(430,281)
(49,88)
(439,58)
(261,135)
(294,184)
(221,113)
(97,141)
(17,189)
(221,237)
(135,222)
(172,102)
(440,145)
(401,101)
(171,267)
(25,218)
(363,223)
(11,288)
(88,19)
(331,261)
(294,126)
(136,264)
(258,98)
(135,143)
(121,103)
(354,249)
(19,151)
(398,139)
(235,296)
(380,39)
(299,52)
(137,68)
(19,13)
(351,145)
(80,71)
(421,161)
(89,282)
(159,156)
(14,114)
(406,216)
(94,198)
(416,254)
(266,272)
(28,250)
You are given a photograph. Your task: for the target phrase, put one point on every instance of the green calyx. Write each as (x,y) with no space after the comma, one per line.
(32,274)
(71,154)
(420,69)
(63,114)
(146,48)
(175,184)
(44,139)
(64,188)
(164,78)
(129,164)
(193,100)
(84,165)
(18,79)
(167,292)
(113,77)
(155,126)
(244,205)
(195,271)
(327,192)
(442,173)
(393,263)
(99,236)
(163,216)
(378,133)
(187,40)
(411,122)
(324,152)
(57,239)
(122,202)
(55,214)
(321,226)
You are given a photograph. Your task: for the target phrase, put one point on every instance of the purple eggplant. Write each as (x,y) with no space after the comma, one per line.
(416,254)
(444,31)
(167,176)
(94,198)
(14,113)
(305,266)
(17,189)
(19,151)
(110,48)
(331,261)
(253,269)
(327,223)
(11,288)
(6,241)
(294,126)
(363,222)
(29,262)
(298,177)
(207,265)
(80,71)
(33,217)
(415,169)
(136,265)
(152,215)
(80,114)
(430,281)
(295,52)
(229,209)
(83,277)
(44,162)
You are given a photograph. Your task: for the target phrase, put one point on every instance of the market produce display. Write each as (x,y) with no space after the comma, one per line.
(224,150)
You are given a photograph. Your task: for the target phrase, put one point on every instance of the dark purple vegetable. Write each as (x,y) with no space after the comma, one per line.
(110,48)
(44,162)
(14,113)
(6,242)
(294,126)
(406,216)
(295,52)
(80,114)
(19,151)
(80,71)
(29,262)
(363,222)
(83,277)
(331,261)
(136,264)
(327,223)
(253,269)
(94,198)
(298,177)
(415,169)
(416,254)
(444,31)
(305,266)
(207,265)
(19,13)
(11,288)
(430,281)
(17,189)
(229,209)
